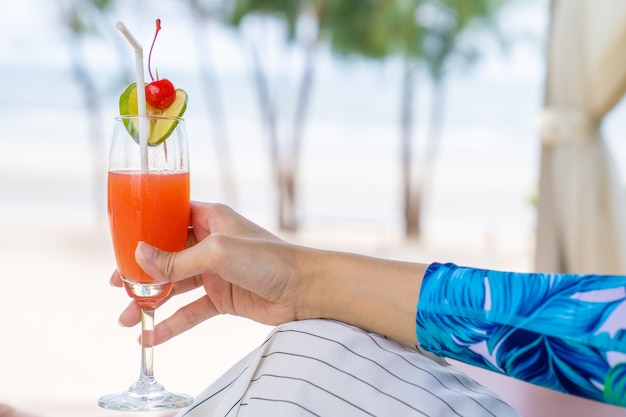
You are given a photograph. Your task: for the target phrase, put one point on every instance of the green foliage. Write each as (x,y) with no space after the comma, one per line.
(287,10)
(363,27)
(426,31)
(444,22)
(81,16)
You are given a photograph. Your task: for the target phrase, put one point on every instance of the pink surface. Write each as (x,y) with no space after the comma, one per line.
(533,401)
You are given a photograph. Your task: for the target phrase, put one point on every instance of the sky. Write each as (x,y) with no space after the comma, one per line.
(29,27)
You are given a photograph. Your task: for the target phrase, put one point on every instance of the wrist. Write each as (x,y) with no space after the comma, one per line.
(378,295)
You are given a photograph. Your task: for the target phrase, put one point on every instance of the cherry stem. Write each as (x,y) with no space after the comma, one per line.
(158,28)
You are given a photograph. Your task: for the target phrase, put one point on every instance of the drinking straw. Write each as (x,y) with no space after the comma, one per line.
(141,94)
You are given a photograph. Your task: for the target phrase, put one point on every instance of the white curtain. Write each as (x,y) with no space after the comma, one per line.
(581,221)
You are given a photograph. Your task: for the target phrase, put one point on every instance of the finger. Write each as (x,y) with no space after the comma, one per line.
(184,319)
(131,315)
(116,279)
(209,218)
(171,266)
(186,285)
(179,288)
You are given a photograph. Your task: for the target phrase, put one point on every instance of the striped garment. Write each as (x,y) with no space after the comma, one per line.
(565,332)
(327,368)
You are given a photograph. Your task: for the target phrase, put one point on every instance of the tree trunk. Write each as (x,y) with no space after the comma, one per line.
(287,205)
(411,196)
(285,162)
(435,128)
(268,116)
(289,210)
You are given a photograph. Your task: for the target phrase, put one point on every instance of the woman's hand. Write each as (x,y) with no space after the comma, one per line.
(244,269)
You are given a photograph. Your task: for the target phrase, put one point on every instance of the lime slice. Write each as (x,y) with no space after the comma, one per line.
(160,129)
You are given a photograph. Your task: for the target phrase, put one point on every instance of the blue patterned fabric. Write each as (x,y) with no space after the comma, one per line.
(565,332)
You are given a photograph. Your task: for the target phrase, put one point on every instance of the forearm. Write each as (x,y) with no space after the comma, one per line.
(375,294)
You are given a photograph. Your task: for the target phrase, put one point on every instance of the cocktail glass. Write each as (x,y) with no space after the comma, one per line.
(147,202)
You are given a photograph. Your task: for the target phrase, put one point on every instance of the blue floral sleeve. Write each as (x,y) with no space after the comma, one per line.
(565,332)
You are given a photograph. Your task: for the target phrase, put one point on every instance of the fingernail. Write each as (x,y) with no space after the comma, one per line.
(145,252)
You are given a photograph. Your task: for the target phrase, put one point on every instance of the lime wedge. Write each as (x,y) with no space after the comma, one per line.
(160,129)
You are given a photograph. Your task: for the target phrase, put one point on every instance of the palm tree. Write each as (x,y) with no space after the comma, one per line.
(444,24)
(284,155)
(377,30)
(426,33)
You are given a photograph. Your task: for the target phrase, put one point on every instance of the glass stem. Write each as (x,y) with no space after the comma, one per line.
(147,341)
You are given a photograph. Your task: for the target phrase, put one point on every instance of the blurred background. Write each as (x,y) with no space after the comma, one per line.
(403,129)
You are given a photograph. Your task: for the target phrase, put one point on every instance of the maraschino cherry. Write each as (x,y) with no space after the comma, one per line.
(159,93)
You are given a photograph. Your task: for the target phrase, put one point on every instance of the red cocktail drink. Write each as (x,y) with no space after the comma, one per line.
(152,207)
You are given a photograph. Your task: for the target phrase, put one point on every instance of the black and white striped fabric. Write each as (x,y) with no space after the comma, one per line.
(327,368)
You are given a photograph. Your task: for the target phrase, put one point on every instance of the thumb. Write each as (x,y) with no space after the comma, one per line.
(168,266)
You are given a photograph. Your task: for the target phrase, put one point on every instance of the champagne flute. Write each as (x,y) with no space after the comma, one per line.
(147,202)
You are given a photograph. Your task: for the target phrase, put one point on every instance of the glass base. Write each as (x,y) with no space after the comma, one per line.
(147,294)
(145,397)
